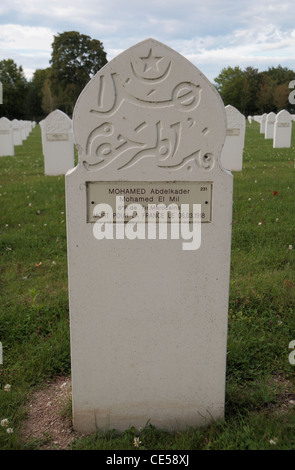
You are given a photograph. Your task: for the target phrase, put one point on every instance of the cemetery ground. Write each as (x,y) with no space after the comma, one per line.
(35,393)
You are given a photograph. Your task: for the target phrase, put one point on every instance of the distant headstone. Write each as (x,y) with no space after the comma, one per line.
(17,132)
(27,128)
(269,125)
(58,144)
(23,130)
(6,138)
(262,123)
(282,130)
(250,119)
(232,152)
(257,118)
(148,308)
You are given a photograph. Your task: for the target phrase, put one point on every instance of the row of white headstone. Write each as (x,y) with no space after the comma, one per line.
(13,133)
(57,143)
(57,140)
(276,126)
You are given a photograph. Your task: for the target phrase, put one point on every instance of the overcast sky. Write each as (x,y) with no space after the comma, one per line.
(212,34)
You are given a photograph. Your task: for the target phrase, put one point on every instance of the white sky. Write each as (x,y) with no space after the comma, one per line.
(212,34)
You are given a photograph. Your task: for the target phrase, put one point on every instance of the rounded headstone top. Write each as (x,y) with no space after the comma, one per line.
(271,116)
(57,121)
(149,108)
(5,124)
(284,116)
(235,119)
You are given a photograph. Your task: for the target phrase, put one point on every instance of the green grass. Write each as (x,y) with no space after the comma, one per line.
(34,317)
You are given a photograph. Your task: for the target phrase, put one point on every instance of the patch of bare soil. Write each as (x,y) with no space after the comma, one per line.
(47,421)
(286,397)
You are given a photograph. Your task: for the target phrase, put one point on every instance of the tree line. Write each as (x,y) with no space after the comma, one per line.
(253,92)
(75,58)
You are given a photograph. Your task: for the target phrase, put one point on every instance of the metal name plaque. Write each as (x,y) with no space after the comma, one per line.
(121,194)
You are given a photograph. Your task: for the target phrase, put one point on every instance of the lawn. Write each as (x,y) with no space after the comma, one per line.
(34,315)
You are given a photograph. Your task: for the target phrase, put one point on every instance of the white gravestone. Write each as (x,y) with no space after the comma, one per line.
(282,130)
(58,143)
(6,138)
(262,123)
(29,127)
(148,315)
(17,132)
(269,125)
(23,130)
(232,152)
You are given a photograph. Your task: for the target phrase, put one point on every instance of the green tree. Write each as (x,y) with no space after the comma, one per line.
(252,79)
(264,96)
(74,60)
(33,102)
(233,87)
(280,96)
(49,101)
(280,75)
(14,90)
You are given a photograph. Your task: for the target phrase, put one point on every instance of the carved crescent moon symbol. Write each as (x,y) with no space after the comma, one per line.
(162,76)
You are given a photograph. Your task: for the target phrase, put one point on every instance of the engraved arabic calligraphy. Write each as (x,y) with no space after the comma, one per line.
(142,113)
